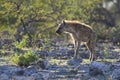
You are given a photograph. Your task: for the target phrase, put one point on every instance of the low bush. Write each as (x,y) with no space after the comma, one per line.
(24,59)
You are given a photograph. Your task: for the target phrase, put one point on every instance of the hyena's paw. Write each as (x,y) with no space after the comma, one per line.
(93,59)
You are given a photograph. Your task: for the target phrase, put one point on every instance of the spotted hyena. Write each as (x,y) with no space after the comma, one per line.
(79,32)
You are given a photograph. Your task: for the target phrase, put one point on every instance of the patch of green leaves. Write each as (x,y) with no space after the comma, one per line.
(24,59)
(21,44)
(106,53)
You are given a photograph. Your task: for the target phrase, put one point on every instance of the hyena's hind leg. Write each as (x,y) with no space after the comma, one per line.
(91,48)
(76,49)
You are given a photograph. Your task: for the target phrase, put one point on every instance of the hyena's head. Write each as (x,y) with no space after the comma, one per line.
(61,27)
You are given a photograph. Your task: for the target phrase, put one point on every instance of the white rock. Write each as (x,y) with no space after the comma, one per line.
(93,78)
(4,77)
(99,67)
(23,78)
(46,74)
(116,74)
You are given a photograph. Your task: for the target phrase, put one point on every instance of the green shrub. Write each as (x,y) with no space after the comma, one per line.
(106,53)
(22,43)
(103,32)
(24,59)
(115,37)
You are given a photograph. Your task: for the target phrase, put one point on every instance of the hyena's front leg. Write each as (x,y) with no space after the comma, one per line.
(76,47)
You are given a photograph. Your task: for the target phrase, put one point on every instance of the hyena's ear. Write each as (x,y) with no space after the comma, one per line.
(63,22)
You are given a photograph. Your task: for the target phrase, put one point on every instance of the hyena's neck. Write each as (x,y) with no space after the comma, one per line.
(70,30)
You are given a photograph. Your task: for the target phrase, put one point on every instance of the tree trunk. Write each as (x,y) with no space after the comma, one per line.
(26,32)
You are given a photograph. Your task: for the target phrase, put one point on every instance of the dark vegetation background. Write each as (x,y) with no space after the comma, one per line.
(32,23)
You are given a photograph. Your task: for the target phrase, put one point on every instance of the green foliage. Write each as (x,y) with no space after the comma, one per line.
(106,53)
(46,13)
(42,15)
(116,36)
(103,32)
(24,59)
(2,51)
(47,46)
(22,43)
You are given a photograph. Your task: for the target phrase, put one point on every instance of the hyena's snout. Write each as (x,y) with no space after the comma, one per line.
(58,31)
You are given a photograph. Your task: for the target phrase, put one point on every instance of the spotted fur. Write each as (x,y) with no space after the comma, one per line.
(79,32)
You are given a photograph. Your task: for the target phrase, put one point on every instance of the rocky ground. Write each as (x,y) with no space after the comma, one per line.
(60,65)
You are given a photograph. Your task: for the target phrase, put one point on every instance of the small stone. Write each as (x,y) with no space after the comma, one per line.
(54,53)
(75,61)
(30,70)
(44,64)
(94,71)
(20,72)
(70,53)
(46,74)
(23,78)
(4,77)
(37,76)
(42,53)
(116,74)
(98,68)
(93,78)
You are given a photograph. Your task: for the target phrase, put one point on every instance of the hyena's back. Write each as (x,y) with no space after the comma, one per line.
(81,31)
